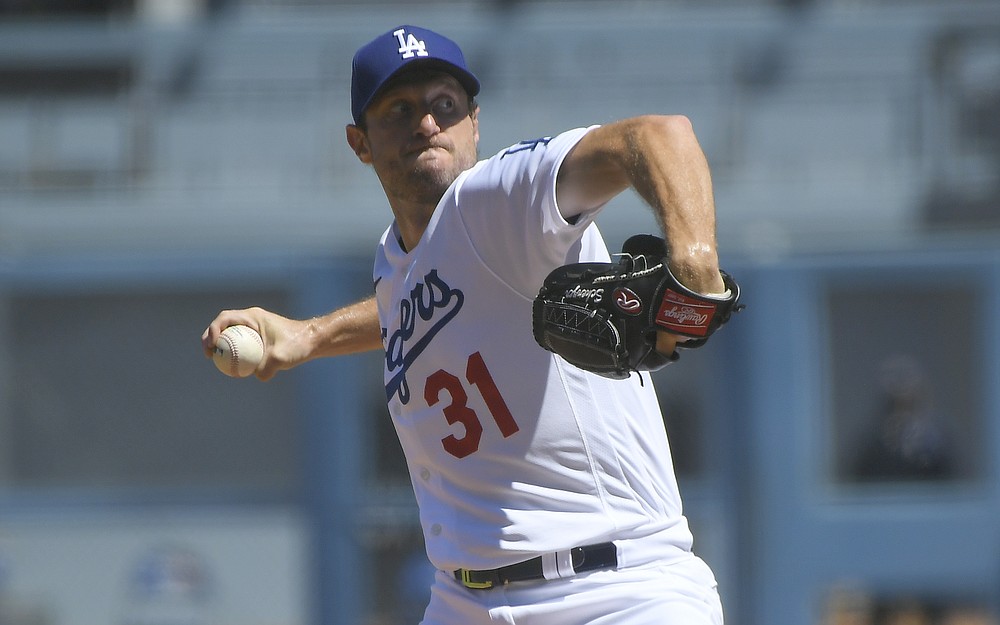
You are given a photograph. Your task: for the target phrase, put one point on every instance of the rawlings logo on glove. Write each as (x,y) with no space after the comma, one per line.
(613,336)
(684,315)
(628,301)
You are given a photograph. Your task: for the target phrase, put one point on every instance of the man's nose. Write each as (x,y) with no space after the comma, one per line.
(428,125)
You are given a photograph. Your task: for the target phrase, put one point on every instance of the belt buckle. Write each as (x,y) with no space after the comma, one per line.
(468,583)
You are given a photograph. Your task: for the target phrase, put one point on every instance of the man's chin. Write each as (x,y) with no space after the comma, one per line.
(431,181)
(433,171)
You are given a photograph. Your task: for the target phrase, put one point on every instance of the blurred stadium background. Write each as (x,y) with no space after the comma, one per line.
(161,160)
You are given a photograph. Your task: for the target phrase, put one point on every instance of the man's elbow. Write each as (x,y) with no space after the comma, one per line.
(673,128)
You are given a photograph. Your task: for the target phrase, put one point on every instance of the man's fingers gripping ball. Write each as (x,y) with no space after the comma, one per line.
(238,351)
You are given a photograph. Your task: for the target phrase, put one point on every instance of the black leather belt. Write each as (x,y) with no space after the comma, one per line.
(589,558)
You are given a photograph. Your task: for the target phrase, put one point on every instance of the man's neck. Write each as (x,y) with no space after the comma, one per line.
(411,221)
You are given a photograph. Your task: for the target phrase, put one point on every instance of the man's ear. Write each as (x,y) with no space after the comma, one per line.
(475,123)
(358,141)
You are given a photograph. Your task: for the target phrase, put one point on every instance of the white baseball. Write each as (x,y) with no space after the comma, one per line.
(238,351)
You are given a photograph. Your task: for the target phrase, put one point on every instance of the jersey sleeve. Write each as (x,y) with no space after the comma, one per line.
(509,210)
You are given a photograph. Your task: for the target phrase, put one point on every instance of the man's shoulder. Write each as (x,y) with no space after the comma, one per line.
(538,145)
(528,154)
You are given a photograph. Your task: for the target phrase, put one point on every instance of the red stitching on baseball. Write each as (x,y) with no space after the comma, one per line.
(234,355)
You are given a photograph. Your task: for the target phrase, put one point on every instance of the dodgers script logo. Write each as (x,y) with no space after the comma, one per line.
(433,303)
(409,45)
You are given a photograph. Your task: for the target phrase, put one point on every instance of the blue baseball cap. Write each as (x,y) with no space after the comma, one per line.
(406,46)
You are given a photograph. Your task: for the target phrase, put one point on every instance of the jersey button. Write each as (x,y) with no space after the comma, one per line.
(425,474)
(436,529)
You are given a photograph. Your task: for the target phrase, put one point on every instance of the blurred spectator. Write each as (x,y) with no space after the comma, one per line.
(908,441)
(968,616)
(847,605)
(906,612)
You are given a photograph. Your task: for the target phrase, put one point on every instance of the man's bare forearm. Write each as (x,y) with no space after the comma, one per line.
(349,330)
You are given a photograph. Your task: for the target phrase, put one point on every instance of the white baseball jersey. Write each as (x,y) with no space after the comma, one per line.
(512,451)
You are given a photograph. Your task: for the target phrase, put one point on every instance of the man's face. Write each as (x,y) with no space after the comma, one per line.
(420,136)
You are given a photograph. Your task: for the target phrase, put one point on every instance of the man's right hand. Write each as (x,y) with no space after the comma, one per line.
(287,342)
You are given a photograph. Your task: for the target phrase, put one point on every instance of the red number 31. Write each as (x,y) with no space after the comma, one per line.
(458,410)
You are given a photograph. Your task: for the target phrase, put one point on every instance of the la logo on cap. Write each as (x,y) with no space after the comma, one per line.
(409,45)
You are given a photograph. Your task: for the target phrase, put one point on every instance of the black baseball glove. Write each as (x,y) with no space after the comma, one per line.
(603,317)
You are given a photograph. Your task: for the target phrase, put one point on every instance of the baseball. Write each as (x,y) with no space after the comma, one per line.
(238,351)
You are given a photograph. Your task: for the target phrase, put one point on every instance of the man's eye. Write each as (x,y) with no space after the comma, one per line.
(446,105)
(399,109)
